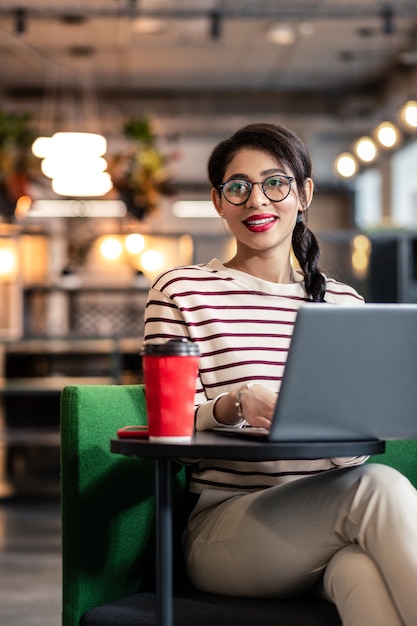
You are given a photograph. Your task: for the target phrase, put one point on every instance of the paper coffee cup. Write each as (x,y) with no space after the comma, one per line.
(170,370)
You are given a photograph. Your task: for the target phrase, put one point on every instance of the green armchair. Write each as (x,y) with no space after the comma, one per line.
(108,526)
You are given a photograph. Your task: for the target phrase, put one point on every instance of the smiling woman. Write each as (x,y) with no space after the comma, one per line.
(277,528)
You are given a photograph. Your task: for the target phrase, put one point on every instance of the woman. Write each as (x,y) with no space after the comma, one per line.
(277,529)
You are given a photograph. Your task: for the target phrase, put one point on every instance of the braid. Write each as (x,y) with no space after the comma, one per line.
(307,252)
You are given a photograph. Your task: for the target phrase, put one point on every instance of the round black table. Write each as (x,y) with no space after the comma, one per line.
(215,446)
(218,446)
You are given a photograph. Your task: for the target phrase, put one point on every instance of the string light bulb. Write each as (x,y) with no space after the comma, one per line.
(365,149)
(387,135)
(408,114)
(346,165)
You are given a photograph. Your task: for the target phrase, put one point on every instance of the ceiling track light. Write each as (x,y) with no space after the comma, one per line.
(215,25)
(387,15)
(20,21)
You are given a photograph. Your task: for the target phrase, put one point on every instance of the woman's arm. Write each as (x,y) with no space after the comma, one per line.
(252,404)
(163,320)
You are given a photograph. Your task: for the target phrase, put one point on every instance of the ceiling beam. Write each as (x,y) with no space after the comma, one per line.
(282,11)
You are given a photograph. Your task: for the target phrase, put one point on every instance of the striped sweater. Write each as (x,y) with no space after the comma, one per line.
(243,327)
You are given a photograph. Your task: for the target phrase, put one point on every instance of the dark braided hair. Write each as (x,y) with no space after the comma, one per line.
(287,148)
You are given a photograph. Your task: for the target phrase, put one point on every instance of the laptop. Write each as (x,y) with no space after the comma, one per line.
(351,374)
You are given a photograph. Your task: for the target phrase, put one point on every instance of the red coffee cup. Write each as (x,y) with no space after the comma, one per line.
(170,371)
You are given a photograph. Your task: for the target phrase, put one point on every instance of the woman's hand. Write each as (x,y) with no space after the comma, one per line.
(257,404)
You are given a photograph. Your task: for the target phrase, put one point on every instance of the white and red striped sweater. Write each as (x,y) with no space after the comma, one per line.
(243,327)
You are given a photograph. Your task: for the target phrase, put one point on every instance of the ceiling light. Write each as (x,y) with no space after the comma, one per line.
(20,16)
(111,248)
(7,262)
(135,243)
(40,147)
(73,159)
(148,26)
(408,114)
(387,135)
(74,163)
(346,165)
(215,25)
(387,15)
(152,260)
(281,34)
(365,149)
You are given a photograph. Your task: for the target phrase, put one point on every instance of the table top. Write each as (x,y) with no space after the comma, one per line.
(216,446)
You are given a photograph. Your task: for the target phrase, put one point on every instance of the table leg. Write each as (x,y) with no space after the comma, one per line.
(163,503)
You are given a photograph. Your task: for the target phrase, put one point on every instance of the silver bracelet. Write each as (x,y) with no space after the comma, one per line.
(237,401)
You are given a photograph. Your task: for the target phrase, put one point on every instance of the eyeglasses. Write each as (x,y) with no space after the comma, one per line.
(276,188)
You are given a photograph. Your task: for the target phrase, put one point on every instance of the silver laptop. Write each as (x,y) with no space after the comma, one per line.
(351,375)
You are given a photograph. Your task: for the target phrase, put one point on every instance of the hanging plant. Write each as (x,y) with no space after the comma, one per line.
(140,174)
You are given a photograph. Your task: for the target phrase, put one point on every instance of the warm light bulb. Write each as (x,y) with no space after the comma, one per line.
(408,114)
(365,149)
(84,165)
(362,243)
(387,135)
(281,34)
(23,206)
(111,248)
(79,143)
(82,186)
(148,25)
(152,260)
(361,249)
(7,262)
(41,146)
(346,165)
(135,243)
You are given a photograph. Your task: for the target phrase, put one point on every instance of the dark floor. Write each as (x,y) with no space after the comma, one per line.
(30,562)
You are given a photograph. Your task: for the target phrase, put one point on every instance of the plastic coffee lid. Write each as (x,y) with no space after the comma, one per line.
(177,347)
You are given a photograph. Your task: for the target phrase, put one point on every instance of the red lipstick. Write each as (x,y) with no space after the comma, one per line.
(260,223)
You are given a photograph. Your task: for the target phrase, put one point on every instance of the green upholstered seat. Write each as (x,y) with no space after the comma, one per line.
(107,500)
(108,521)
(402,455)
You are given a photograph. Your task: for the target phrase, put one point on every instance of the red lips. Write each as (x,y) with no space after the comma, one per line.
(260,223)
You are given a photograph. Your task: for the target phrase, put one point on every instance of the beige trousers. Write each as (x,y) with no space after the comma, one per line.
(352,531)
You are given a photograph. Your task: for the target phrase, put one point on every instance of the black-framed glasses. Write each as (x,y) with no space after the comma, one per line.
(276,188)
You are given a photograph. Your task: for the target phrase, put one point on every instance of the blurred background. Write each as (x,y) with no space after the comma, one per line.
(108,112)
